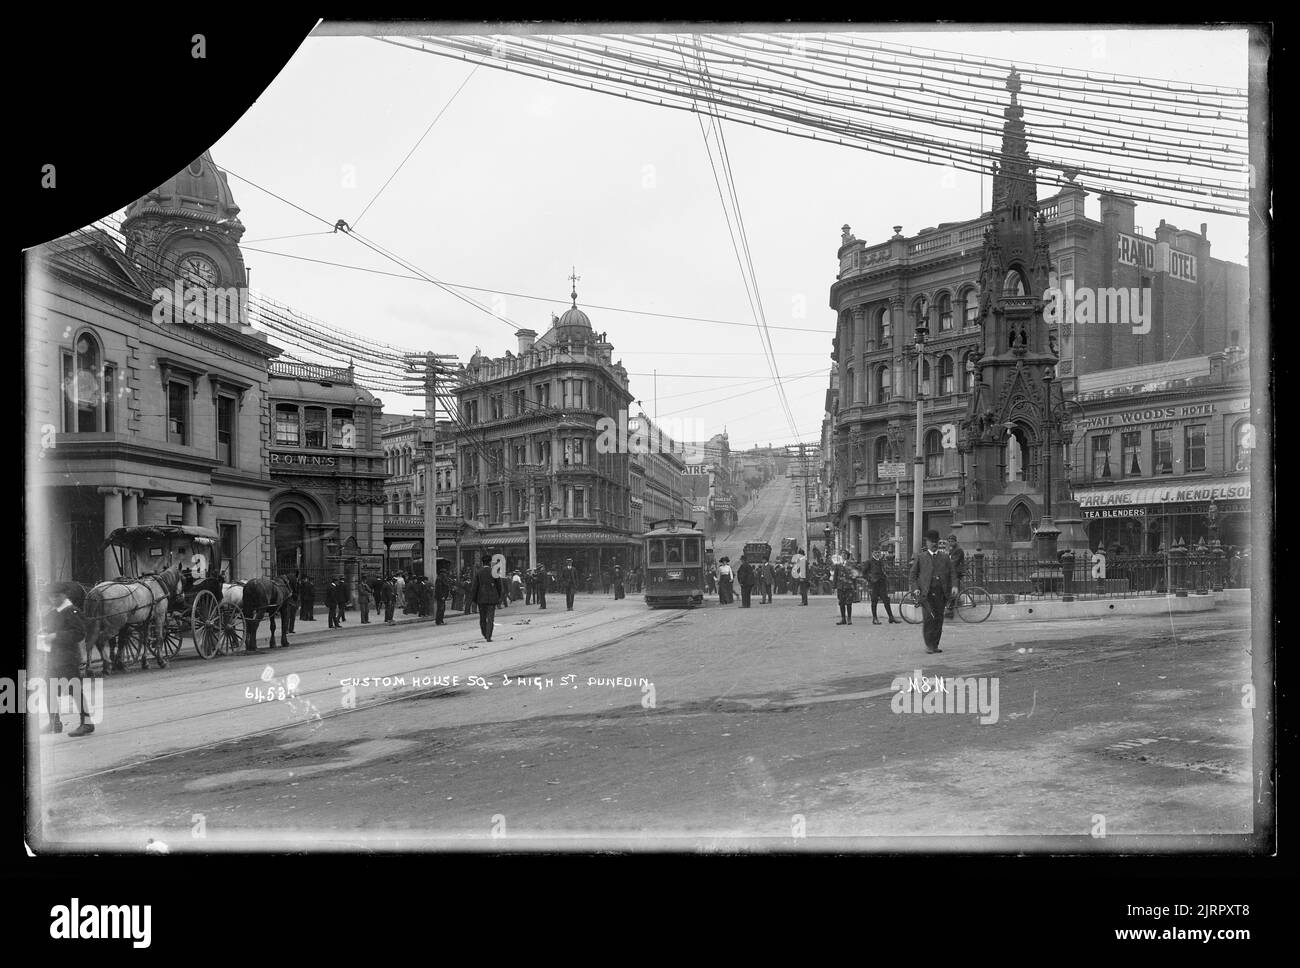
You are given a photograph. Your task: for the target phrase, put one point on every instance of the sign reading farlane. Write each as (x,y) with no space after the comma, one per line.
(302,460)
(1165,495)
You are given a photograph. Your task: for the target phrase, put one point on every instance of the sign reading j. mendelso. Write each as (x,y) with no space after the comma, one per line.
(1165,495)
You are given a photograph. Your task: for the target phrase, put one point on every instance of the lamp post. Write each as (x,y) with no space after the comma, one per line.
(1047,533)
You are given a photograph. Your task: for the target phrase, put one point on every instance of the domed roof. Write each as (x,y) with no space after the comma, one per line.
(199,190)
(574,324)
(574,317)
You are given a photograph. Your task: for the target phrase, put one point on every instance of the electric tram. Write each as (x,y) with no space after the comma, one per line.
(674,556)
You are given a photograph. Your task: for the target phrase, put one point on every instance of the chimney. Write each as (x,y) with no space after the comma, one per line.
(526,337)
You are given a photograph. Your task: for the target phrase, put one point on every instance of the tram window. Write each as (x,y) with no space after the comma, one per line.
(674,551)
(693,552)
(656,552)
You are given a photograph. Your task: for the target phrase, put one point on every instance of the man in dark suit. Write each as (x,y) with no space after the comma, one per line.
(957,556)
(307,595)
(934,582)
(485,592)
(334,597)
(746,576)
(569,582)
(441,592)
(540,581)
(60,640)
(878,585)
(388,595)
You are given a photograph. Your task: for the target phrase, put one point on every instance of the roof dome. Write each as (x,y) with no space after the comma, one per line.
(574,317)
(199,191)
(574,324)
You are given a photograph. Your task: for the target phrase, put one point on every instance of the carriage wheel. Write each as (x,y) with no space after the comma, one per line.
(173,635)
(131,642)
(233,630)
(205,623)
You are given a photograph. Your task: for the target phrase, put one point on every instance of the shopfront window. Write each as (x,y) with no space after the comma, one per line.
(656,551)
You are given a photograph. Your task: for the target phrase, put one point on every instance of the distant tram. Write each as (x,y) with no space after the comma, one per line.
(674,559)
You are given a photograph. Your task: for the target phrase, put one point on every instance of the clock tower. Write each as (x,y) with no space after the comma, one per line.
(1013,436)
(187,231)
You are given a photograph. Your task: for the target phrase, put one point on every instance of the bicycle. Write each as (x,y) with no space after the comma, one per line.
(972,604)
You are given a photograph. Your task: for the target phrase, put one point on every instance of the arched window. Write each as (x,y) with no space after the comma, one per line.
(946,382)
(1014,284)
(884,327)
(406,503)
(972,303)
(1021,519)
(933,454)
(88,389)
(925,377)
(945,312)
(884,384)
(850,386)
(967,372)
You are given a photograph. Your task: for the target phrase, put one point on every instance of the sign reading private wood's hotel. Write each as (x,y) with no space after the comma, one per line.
(1163,414)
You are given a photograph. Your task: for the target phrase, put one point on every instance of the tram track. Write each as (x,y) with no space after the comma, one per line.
(322,666)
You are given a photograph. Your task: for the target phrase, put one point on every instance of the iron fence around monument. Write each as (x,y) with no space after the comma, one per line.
(1123,576)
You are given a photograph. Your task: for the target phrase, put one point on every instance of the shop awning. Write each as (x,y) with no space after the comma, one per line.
(402,549)
(1182,493)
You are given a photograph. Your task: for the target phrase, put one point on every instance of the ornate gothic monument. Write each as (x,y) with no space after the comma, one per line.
(1013,437)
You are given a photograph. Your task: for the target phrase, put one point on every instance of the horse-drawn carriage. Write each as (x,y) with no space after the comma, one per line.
(171,580)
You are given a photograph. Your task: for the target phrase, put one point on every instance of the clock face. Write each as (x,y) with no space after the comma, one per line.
(199,270)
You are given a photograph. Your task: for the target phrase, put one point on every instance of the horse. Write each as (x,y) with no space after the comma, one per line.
(272,597)
(113,606)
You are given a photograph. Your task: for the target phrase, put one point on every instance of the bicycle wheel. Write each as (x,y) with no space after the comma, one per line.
(909,608)
(974,604)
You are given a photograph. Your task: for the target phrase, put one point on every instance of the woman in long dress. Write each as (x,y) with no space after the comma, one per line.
(724,582)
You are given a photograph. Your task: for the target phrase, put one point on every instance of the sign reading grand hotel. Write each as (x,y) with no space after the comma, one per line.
(1136,252)
(302,460)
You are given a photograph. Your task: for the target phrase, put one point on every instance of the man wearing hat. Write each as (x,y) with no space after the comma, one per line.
(61,641)
(957,556)
(878,586)
(934,582)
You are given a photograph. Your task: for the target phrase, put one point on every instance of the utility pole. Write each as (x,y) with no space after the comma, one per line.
(422,370)
(918,479)
(428,438)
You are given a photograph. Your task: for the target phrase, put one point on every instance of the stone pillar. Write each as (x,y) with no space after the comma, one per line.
(112,521)
(860,354)
(189,510)
(204,512)
(131,508)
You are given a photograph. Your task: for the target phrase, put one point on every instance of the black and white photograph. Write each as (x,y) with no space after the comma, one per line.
(443,459)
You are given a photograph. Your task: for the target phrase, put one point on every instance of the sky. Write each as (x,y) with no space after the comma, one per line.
(522,180)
